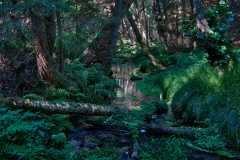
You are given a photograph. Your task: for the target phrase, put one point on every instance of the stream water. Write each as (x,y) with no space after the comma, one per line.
(127,95)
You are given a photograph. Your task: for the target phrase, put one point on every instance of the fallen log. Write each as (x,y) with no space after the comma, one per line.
(61,107)
(150,128)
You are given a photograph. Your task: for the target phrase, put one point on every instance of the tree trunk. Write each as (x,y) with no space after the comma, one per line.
(108,61)
(156,129)
(43,57)
(62,107)
(169,29)
(59,24)
(51,31)
(201,22)
(144,47)
(129,33)
(146,24)
(99,46)
(156,9)
(198,12)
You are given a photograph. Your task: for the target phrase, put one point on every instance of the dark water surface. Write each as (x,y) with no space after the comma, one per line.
(128,94)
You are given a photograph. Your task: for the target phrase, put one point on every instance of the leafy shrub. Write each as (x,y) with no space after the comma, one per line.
(215,39)
(208,137)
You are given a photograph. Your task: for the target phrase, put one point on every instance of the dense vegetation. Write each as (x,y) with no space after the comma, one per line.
(59,53)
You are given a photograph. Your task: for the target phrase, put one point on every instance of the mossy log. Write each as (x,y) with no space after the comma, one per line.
(150,128)
(61,107)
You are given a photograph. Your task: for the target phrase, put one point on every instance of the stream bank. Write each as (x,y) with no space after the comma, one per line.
(117,142)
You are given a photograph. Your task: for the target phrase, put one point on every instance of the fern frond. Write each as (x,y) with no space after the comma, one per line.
(12,129)
(59,138)
(33,96)
(12,148)
(103,91)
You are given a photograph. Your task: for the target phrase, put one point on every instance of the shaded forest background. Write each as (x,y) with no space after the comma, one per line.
(60,32)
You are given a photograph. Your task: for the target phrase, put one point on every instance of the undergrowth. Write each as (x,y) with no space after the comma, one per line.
(78,84)
(198,91)
(26,135)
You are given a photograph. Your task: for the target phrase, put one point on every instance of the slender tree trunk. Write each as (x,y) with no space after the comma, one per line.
(156,9)
(198,12)
(59,23)
(108,61)
(178,9)
(169,29)
(43,57)
(99,46)
(145,24)
(145,48)
(132,35)
(186,39)
(124,26)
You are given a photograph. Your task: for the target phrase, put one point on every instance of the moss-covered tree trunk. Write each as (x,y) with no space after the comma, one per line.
(143,45)
(42,48)
(97,50)
(62,107)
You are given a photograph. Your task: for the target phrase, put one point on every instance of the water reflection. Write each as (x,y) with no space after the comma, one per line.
(128,94)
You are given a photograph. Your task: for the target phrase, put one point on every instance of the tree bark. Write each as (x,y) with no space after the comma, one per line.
(60,42)
(144,47)
(146,24)
(62,107)
(99,46)
(43,57)
(108,61)
(198,12)
(169,29)
(51,31)
(156,9)
(201,22)
(129,33)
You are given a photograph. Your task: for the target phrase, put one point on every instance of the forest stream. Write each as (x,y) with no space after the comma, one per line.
(128,95)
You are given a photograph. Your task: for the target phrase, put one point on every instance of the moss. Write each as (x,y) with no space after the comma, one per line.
(144,88)
(59,82)
(97,151)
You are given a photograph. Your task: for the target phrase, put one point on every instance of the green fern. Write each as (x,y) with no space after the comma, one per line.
(26,135)
(33,96)
(12,129)
(61,122)
(7,148)
(59,138)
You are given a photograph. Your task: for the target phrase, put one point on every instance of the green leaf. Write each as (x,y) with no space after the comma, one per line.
(41,133)
(200,36)
(221,2)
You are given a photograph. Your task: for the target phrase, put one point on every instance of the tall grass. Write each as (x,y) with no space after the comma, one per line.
(197,92)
